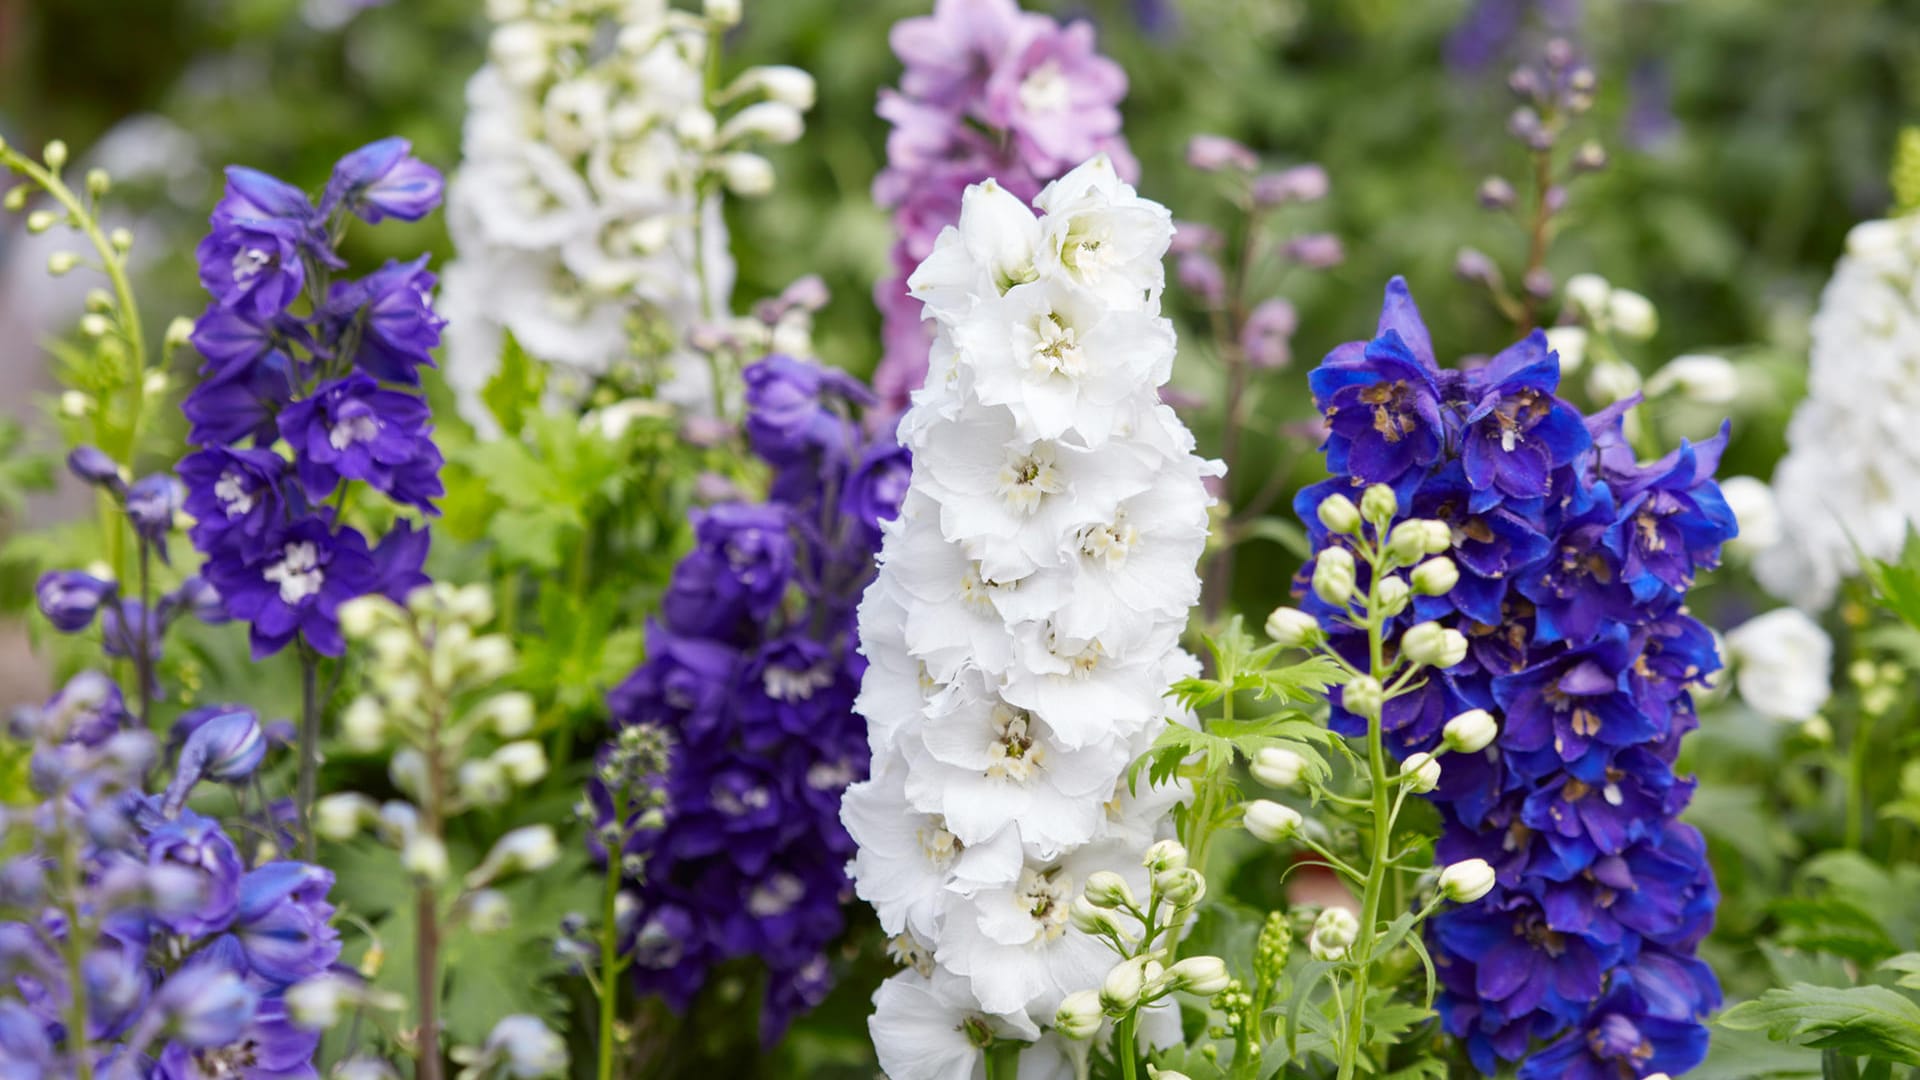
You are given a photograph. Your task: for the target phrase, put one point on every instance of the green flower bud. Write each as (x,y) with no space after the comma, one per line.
(1182,887)
(425,857)
(121,239)
(1364,697)
(55,155)
(1334,932)
(1270,821)
(93,324)
(1164,855)
(62,262)
(1435,577)
(1270,949)
(1338,513)
(364,725)
(1421,772)
(1333,575)
(41,220)
(1202,975)
(16,197)
(1120,991)
(1471,731)
(1378,505)
(1393,593)
(1294,628)
(1091,920)
(98,182)
(1433,645)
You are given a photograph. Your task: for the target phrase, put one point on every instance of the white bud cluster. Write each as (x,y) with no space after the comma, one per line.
(589,190)
(1023,630)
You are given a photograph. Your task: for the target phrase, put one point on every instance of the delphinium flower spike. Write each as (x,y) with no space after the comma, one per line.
(1569,567)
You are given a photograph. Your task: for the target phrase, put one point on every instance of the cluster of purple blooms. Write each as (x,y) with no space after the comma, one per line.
(988,91)
(330,366)
(1574,562)
(751,672)
(183,953)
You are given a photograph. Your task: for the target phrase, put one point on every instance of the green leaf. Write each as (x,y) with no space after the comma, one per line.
(516,389)
(1907,965)
(1304,978)
(1283,532)
(1869,1020)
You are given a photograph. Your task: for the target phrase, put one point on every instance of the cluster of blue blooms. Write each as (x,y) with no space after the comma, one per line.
(751,673)
(330,367)
(134,940)
(1574,562)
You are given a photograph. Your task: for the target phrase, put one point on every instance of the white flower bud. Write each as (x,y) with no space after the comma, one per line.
(319,1003)
(1079,1015)
(1089,919)
(1277,767)
(482,783)
(1202,975)
(1708,380)
(1270,821)
(1757,511)
(1392,594)
(769,121)
(1570,344)
(695,127)
(1434,645)
(1412,540)
(408,771)
(722,12)
(779,82)
(425,857)
(1363,697)
(746,175)
(1106,889)
(1293,628)
(525,850)
(487,911)
(1612,380)
(1155,1072)
(1470,732)
(364,725)
(393,647)
(1333,576)
(1120,991)
(1378,504)
(155,383)
(1338,513)
(1435,577)
(41,220)
(523,762)
(1164,855)
(471,604)
(1467,881)
(95,325)
(1334,932)
(62,262)
(122,240)
(1632,315)
(1421,772)
(510,714)
(526,1049)
(490,657)
(1587,293)
(1181,887)
(55,155)
(341,817)
(75,404)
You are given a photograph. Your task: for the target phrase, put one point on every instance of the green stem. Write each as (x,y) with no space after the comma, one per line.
(610,960)
(1382,845)
(77,946)
(143,664)
(1857,782)
(1126,1047)
(309,753)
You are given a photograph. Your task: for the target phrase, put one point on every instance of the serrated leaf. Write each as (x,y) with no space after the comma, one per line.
(516,389)
(1869,1020)
(1907,966)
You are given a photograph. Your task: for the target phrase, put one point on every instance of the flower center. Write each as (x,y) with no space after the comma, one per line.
(1056,348)
(297,573)
(939,845)
(1616,1038)
(1045,89)
(359,427)
(908,953)
(232,492)
(248,264)
(790,685)
(1044,895)
(237,1059)
(1013,755)
(1390,419)
(1028,478)
(1111,542)
(977,592)
(775,896)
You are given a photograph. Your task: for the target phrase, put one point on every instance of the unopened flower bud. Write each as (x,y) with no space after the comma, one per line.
(1708,380)
(1338,513)
(41,220)
(1421,772)
(1475,268)
(341,817)
(779,82)
(510,714)
(1391,595)
(364,725)
(1470,732)
(16,198)
(523,762)
(361,616)
(322,1001)
(1587,294)
(488,911)
(1315,251)
(1164,855)
(1271,821)
(1333,575)
(425,857)
(525,850)
(1364,697)
(1591,157)
(1434,645)
(1080,1015)
(1632,315)
(482,783)
(524,1048)
(55,155)
(1277,767)
(1182,887)
(1155,1072)
(121,239)
(1378,504)
(1106,889)
(1293,628)
(722,12)
(62,262)
(771,121)
(1334,932)
(1436,577)
(1467,881)
(746,175)
(1496,193)
(1217,153)
(1202,975)
(490,657)
(1411,540)
(1302,183)
(1120,991)
(1089,919)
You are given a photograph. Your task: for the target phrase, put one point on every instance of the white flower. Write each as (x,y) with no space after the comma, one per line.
(990,250)
(908,858)
(524,1048)
(931,1029)
(1753,506)
(1783,664)
(1104,237)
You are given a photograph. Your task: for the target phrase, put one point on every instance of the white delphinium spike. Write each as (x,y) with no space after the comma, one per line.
(1023,630)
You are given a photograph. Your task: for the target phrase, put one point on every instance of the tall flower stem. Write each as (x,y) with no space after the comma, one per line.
(309,767)
(143,665)
(75,947)
(611,962)
(1538,237)
(427,979)
(1382,812)
(1125,1046)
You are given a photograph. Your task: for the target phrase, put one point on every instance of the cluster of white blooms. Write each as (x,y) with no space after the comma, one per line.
(1024,627)
(1851,475)
(586,211)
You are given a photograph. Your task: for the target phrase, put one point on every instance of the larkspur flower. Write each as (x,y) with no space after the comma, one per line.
(988,90)
(1572,563)
(352,429)
(295,584)
(1023,629)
